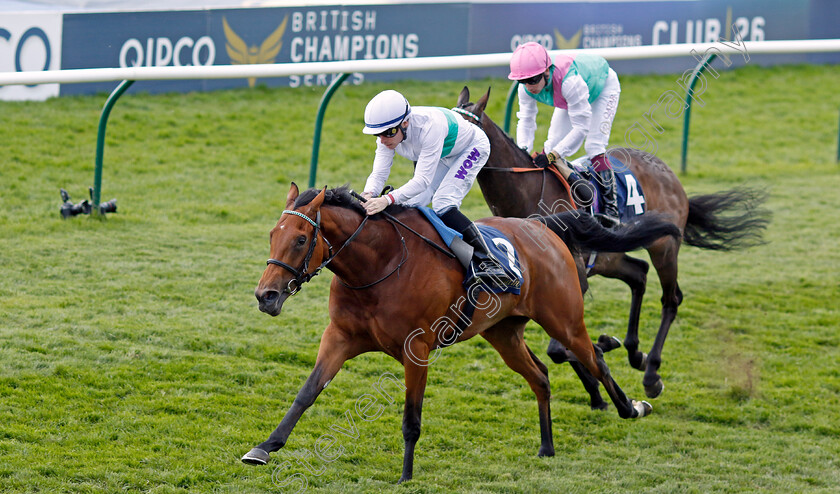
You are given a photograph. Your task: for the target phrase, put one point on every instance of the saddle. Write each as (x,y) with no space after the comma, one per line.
(500,247)
(630,197)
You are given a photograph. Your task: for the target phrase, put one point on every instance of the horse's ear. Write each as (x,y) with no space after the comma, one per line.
(293,194)
(315,205)
(464,97)
(482,103)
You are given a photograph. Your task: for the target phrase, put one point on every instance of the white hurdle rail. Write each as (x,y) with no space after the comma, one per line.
(69,76)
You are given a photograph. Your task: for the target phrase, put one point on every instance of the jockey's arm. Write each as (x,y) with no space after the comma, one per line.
(424,172)
(382,162)
(580,114)
(431,139)
(526,126)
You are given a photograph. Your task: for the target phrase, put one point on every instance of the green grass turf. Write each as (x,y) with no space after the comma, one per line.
(133,357)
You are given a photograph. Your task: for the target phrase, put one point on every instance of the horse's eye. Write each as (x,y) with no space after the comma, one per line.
(301,240)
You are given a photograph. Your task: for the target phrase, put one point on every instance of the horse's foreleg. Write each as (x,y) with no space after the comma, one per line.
(634,272)
(415,388)
(332,353)
(666,267)
(652,381)
(506,338)
(592,357)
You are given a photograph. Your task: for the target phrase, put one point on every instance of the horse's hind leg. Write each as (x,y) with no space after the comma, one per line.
(569,329)
(506,338)
(559,354)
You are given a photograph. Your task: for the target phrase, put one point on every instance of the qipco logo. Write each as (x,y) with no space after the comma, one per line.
(26,47)
(159,52)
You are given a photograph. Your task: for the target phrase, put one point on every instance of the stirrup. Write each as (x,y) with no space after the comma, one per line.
(492,273)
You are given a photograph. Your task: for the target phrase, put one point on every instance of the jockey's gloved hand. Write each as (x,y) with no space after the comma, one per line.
(541,160)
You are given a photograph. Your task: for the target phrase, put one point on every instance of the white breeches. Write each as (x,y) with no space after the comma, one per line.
(454,177)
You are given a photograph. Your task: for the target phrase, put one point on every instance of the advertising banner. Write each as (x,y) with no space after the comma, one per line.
(29,42)
(579,25)
(270,35)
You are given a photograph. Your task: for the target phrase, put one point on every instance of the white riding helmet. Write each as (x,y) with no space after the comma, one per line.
(386,110)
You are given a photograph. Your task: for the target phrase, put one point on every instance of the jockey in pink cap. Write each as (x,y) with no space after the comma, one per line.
(584,92)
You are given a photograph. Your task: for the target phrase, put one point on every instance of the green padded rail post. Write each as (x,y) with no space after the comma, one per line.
(316,141)
(100,142)
(688,99)
(509,105)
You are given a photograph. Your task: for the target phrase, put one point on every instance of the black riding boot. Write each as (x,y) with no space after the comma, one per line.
(582,191)
(607,185)
(488,266)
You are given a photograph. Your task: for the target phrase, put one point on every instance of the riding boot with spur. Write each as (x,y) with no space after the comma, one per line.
(489,268)
(606,183)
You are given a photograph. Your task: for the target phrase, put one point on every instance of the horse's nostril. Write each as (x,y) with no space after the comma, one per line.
(270,296)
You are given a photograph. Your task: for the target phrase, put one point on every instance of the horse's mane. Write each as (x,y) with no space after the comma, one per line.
(512,142)
(340,197)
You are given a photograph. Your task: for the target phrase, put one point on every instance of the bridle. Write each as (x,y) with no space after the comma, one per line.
(475,118)
(302,275)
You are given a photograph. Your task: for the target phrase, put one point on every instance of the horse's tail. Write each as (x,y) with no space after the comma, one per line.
(582,232)
(707,229)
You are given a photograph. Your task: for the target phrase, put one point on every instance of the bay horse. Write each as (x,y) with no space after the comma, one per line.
(706,221)
(392,291)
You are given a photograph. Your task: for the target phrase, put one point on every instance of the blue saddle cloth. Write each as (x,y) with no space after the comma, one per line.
(630,197)
(500,247)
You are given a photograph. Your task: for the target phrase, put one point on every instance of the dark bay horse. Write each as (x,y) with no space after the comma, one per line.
(726,220)
(394,293)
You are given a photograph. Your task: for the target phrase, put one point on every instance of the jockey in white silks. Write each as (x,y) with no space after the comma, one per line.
(584,92)
(448,152)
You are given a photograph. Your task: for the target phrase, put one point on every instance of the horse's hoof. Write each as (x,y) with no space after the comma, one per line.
(403,479)
(608,343)
(546,451)
(643,408)
(256,457)
(654,389)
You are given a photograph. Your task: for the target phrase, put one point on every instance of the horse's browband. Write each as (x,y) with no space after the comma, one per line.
(469,114)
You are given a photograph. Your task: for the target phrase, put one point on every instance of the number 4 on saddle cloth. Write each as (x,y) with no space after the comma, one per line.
(500,247)
(629,195)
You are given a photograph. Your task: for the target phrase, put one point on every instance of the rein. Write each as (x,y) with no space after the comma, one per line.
(380,280)
(393,219)
(303,276)
(552,169)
